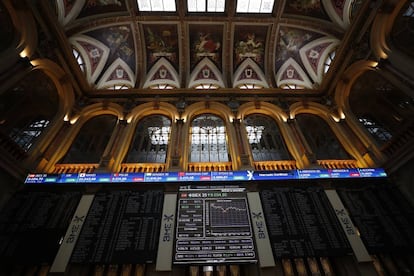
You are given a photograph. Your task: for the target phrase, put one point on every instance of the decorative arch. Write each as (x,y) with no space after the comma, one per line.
(217,109)
(161,73)
(67,13)
(25,25)
(133,118)
(149,108)
(66,97)
(339,15)
(314,55)
(278,114)
(281,119)
(382,26)
(342,91)
(95,55)
(118,73)
(291,73)
(351,74)
(206,72)
(249,73)
(331,119)
(77,121)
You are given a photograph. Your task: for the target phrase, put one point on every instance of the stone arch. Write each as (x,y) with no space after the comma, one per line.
(332,120)
(281,119)
(76,124)
(215,108)
(134,117)
(343,90)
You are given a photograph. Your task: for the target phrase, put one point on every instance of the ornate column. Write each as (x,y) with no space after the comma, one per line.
(245,162)
(44,160)
(307,157)
(107,160)
(176,145)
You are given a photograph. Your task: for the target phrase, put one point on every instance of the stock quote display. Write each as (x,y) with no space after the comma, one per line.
(213,226)
(121,227)
(302,223)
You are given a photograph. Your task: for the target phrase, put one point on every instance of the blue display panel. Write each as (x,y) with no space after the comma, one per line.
(101,178)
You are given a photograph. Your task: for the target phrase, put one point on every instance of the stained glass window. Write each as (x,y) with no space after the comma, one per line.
(151,140)
(208,139)
(265,139)
(376,130)
(91,141)
(25,137)
(321,138)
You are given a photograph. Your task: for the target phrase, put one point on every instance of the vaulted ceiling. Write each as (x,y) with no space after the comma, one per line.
(122,47)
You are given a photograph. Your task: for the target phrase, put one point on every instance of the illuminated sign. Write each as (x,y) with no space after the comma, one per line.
(101,178)
(213,226)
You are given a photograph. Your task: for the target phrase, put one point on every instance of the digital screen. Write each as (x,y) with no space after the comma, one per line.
(163,177)
(213,226)
(32,225)
(302,223)
(121,227)
(384,218)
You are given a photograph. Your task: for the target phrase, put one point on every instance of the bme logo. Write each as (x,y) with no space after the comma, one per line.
(168,227)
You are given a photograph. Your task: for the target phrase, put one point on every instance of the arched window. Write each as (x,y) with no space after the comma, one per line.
(386,109)
(321,138)
(208,139)
(265,139)
(91,141)
(26,136)
(151,140)
(26,110)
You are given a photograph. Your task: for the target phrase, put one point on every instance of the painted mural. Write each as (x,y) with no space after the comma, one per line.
(249,42)
(312,8)
(161,41)
(94,7)
(120,42)
(291,40)
(206,41)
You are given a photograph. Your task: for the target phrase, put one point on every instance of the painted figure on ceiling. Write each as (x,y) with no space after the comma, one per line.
(291,41)
(161,43)
(118,41)
(206,44)
(250,47)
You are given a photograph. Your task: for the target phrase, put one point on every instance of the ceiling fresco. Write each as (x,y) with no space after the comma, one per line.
(161,40)
(122,46)
(249,42)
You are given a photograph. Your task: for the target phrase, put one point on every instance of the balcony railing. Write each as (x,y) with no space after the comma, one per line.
(209,166)
(75,168)
(338,164)
(143,167)
(275,165)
